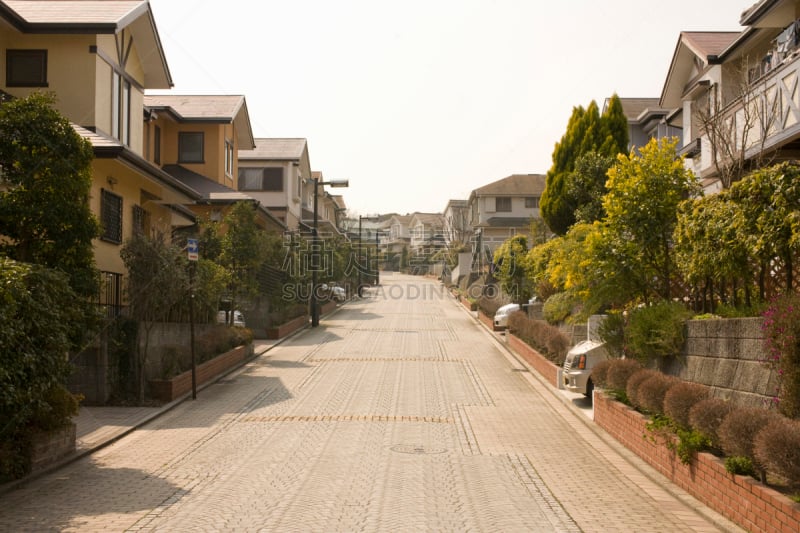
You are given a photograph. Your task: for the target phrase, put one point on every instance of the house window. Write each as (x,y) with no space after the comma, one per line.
(228,158)
(157,145)
(261,179)
(503,205)
(190,147)
(26,68)
(110,296)
(141,221)
(120,108)
(532,201)
(111,216)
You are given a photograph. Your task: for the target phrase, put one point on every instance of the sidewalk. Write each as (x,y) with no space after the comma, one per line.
(99,426)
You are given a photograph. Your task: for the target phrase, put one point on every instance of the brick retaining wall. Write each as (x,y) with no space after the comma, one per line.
(167,390)
(278,332)
(546,368)
(741,499)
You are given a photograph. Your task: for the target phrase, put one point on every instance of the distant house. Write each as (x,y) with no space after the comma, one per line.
(502,209)
(426,231)
(457,230)
(277,172)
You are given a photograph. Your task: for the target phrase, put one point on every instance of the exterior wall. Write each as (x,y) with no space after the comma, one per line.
(286,198)
(129,185)
(494,237)
(487,209)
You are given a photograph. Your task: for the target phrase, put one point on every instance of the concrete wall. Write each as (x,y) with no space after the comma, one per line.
(726,355)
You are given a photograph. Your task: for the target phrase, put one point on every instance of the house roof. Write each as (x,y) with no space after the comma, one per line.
(96,17)
(691,45)
(206,108)
(213,192)
(278,148)
(428,219)
(105,148)
(514,185)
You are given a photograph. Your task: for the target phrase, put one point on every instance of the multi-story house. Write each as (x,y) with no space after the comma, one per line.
(457,230)
(277,172)
(195,139)
(427,234)
(502,209)
(98,58)
(646,120)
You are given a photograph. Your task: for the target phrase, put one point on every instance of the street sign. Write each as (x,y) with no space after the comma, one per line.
(193,247)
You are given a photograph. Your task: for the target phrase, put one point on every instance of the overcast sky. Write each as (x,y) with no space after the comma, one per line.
(420,101)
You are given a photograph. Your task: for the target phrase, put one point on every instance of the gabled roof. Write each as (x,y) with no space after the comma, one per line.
(275,149)
(691,46)
(205,108)
(427,219)
(106,148)
(96,17)
(633,107)
(514,185)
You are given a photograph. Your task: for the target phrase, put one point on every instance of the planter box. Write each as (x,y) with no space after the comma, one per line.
(470,306)
(168,390)
(284,329)
(488,321)
(49,447)
(327,307)
(741,499)
(546,368)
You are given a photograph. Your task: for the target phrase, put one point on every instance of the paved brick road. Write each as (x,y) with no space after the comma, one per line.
(399,413)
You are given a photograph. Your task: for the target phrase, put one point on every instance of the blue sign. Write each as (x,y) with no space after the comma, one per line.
(193,247)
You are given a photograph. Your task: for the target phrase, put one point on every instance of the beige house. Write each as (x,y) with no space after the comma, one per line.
(646,120)
(277,173)
(195,139)
(457,230)
(502,209)
(98,58)
(426,231)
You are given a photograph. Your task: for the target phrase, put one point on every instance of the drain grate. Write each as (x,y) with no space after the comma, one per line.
(416,449)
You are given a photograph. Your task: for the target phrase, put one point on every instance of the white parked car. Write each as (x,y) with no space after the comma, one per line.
(501,316)
(336,292)
(578,365)
(238,318)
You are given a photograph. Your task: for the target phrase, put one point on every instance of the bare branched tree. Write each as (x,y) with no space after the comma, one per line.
(737,121)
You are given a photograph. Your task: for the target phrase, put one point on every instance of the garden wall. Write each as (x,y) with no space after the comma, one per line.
(726,356)
(741,499)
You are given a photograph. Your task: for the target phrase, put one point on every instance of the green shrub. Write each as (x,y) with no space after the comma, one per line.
(656,331)
(690,441)
(489,305)
(680,399)
(742,466)
(558,308)
(541,336)
(612,333)
(707,415)
(651,392)
(777,447)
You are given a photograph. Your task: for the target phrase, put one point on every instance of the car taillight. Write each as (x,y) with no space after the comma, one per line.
(582,362)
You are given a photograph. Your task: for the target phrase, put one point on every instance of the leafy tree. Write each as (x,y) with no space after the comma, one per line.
(242,251)
(586,185)
(770,221)
(509,260)
(641,206)
(709,249)
(157,284)
(587,131)
(44,212)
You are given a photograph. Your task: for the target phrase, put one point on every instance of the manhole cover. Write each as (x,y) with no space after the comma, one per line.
(416,449)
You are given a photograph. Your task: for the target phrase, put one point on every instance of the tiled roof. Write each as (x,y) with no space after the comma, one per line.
(77,12)
(206,187)
(429,219)
(514,185)
(275,149)
(197,107)
(709,43)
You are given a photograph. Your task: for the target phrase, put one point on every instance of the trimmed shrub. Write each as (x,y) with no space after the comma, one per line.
(490,305)
(706,416)
(541,336)
(612,333)
(738,430)
(656,331)
(652,391)
(558,307)
(777,447)
(600,373)
(632,387)
(680,398)
(618,374)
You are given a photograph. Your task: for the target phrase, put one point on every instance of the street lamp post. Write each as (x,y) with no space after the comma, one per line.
(315,247)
